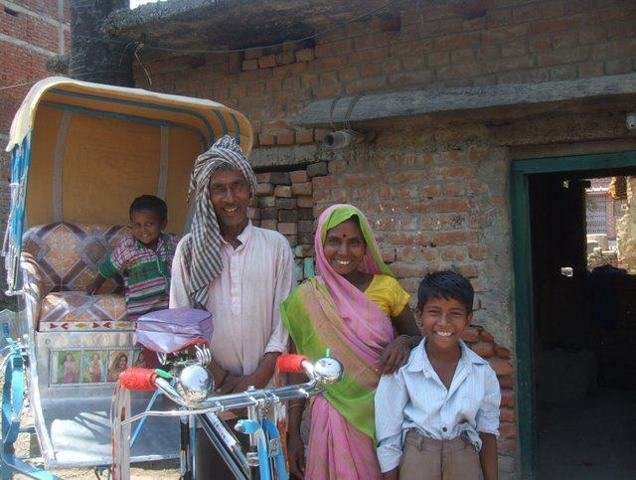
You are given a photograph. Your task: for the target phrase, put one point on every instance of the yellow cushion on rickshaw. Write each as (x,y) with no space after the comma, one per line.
(79,311)
(68,254)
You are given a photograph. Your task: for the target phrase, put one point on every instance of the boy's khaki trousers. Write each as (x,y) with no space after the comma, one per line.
(428,459)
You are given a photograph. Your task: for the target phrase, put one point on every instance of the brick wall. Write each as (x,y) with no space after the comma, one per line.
(32,31)
(427,46)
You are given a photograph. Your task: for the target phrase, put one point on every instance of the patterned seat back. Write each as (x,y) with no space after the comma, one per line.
(68,254)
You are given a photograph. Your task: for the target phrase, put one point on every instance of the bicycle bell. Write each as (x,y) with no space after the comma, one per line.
(194,383)
(328,370)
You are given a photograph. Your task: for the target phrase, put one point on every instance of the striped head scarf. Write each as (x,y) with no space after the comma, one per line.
(203,246)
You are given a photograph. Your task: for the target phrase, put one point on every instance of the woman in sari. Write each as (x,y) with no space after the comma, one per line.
(352,308)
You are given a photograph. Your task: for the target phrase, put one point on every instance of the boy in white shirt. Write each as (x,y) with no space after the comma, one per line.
(437,417)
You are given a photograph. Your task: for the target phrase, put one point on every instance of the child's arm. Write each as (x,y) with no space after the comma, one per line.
(391,397)
(488,425)
(114,264)
(105,271)
(488,456)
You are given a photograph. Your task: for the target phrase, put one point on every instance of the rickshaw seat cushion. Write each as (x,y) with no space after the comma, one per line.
(32,276)
(79,311)
(60,261)
(68,254)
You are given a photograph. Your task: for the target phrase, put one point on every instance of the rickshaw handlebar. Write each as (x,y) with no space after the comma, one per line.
(147,379)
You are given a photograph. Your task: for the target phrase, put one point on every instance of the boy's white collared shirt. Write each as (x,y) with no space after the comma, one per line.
(415,397)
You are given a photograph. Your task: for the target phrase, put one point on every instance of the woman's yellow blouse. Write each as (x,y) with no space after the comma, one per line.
(387,293)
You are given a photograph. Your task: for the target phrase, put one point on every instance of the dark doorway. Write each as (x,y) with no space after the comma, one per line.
(583,335)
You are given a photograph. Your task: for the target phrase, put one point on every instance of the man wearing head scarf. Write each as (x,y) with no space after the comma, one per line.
(238,272)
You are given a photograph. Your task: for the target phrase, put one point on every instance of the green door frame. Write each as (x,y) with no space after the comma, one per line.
(522,263)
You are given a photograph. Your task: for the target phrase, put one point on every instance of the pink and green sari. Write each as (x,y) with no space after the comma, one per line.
(328,312)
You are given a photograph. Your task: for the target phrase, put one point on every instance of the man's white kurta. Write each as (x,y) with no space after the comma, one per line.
(245,299)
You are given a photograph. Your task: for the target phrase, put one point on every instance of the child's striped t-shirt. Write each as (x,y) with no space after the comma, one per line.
(146,272)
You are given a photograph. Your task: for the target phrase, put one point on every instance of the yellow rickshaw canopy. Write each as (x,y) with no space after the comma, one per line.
(210,118)
(89,149)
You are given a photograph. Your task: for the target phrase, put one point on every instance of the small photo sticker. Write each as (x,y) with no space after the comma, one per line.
(118,361)
(145,358)
(140,358)
(68,367)
(93,366)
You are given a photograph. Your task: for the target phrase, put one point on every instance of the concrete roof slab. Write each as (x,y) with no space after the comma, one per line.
(493,102)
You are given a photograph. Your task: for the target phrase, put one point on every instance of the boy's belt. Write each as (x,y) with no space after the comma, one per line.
(423,442)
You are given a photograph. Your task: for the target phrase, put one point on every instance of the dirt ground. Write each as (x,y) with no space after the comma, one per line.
(592,440)
(155,470)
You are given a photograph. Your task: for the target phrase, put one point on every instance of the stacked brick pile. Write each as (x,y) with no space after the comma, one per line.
(284,133)
(288,54)
(499,358)
(284,202)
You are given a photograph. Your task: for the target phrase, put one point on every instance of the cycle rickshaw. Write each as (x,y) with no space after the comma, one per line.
(80,153)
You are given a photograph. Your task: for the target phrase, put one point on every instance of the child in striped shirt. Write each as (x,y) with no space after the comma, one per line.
(143,258)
